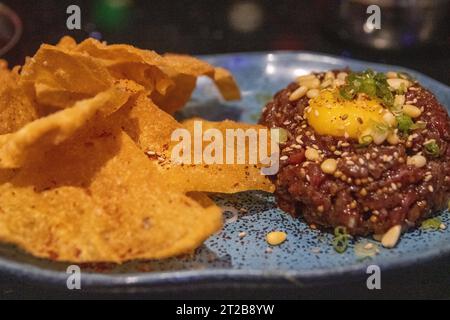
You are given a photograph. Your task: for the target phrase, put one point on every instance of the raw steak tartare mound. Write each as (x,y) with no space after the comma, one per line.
(366,151)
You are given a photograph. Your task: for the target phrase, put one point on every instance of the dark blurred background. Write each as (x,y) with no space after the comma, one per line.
(414,33)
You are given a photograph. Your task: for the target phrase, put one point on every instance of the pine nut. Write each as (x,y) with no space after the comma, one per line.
(305,77)
(379,137)
(312,93)
(399,100)
(329,75)
(417,160)
(390,238)
(389,118)
(391,75)
(342,76)
(397,83)
(393,139)
(312,154)
(412,111)
(298,93)
(276,238)
(329,166)
(310,83)
(327,83)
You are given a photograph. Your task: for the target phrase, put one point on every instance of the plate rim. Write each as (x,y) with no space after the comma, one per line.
(295,277)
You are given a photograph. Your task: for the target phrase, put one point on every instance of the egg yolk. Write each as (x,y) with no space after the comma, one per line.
(330,115)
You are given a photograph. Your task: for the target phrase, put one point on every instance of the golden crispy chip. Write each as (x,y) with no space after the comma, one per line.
(59,77)
(224,178)
(99,201)
(227,85)
(62,74)
(149,126)
(184,71)
(16,109)
(127,62)
(152,129)
(67,43)
(39,135)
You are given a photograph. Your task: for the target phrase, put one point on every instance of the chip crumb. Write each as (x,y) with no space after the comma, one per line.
(269,250)
(315,250)
(443,226)
(242,234)
(276,238)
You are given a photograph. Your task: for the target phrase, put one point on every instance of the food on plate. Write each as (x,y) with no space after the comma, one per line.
(152,128)
(366,151)
(38,136)
(222,178)
(69,72)
(96,197)
(16,109)
(77,179)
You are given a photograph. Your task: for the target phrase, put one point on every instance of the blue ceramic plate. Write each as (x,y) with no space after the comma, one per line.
(306,257)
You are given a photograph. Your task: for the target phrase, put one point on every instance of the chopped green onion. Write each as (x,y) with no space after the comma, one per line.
(419,125)
(341,239)
(431,224)
(404,123)
(380,127)
(432,148)
(369,82)
(340,244)
(347,92)
(365,141)
(340,231)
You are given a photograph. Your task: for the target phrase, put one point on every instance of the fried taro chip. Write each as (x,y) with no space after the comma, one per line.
(170,79)
(216,177)
(150,127)
(184,71)
(42,134)
(127,62)
(152,130)
(96,198)
(59,77)
(67,43)
(16,109)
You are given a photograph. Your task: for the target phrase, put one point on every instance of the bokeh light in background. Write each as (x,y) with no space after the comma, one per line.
(207,27)
(112,15)
(245,16)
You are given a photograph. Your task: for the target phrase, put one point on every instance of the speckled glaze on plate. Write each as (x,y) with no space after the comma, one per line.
(306,257)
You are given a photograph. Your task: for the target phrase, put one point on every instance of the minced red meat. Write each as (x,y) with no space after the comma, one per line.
(374,188)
